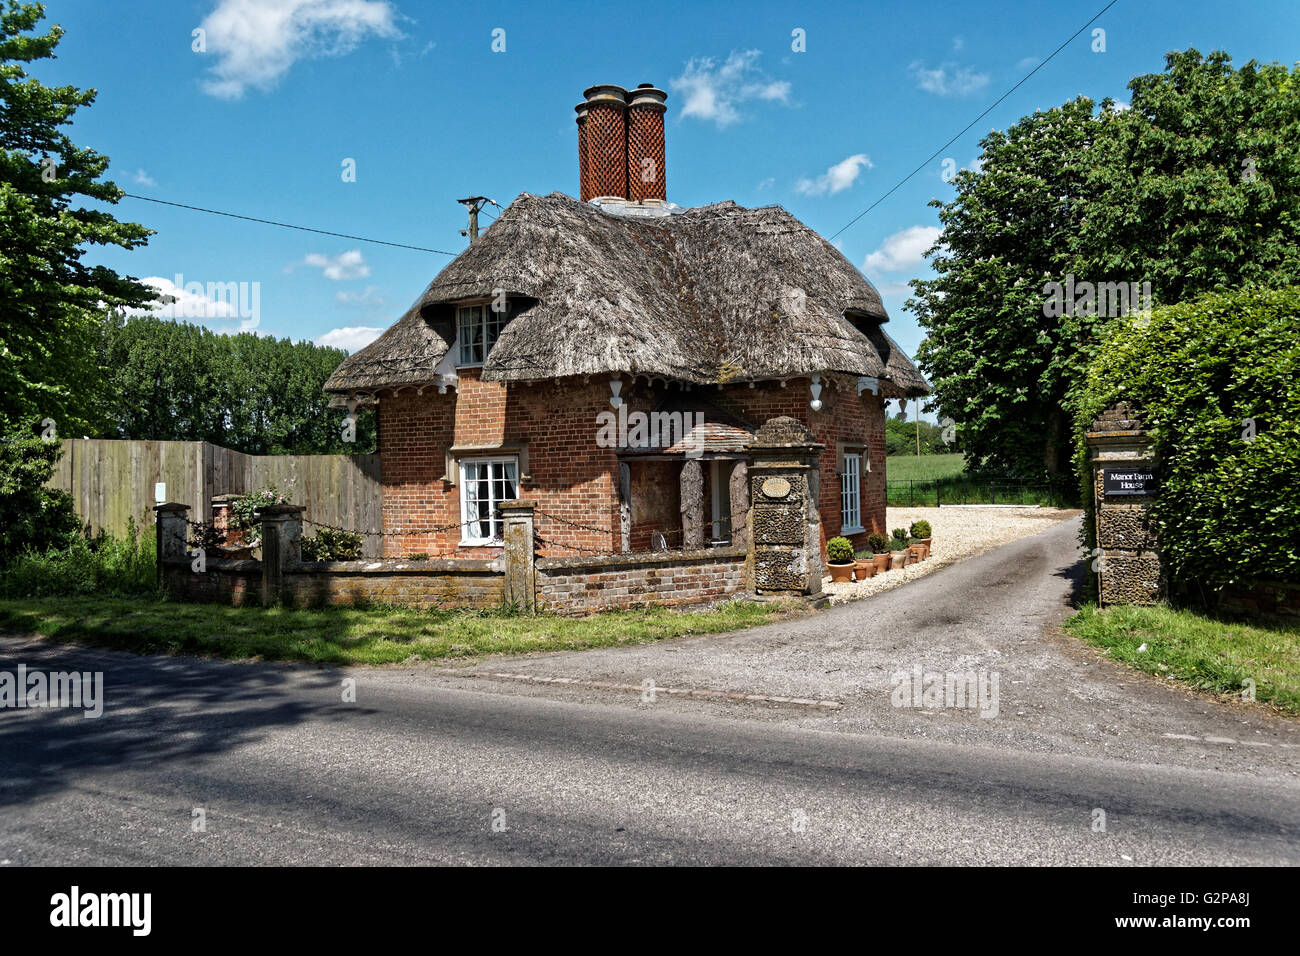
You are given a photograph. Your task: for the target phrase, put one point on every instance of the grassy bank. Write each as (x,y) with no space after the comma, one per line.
(923,467)
(1203,652)
(381,635)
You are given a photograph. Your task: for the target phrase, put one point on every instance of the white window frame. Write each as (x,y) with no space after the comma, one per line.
(468,486)
(851,493)
(478,317)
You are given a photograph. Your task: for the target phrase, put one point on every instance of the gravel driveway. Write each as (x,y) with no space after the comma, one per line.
(997,613)
(959,533)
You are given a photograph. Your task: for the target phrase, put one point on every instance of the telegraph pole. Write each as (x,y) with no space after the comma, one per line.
(473,204)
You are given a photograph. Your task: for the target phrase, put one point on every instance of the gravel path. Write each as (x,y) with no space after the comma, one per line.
(959,532)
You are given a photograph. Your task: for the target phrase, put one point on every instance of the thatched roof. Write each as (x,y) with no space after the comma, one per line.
(715,293)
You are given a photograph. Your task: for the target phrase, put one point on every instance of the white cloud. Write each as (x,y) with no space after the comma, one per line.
(958,43)
(949,80)
(715,93)
(903,250)
(369,298)
(837,178)
(179,300)
(1027,62)
(346,265)
(350,338)
(141,178)
(256,42)
(765,184)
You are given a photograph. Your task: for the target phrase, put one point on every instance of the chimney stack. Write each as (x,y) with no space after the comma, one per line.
(646,173)
(604,140)
(621,153)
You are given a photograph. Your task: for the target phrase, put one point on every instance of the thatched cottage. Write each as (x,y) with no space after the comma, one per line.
(610,357)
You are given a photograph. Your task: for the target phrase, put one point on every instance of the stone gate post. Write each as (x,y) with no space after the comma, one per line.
(785,545)
(1124,484)
(519,559)
(281,547)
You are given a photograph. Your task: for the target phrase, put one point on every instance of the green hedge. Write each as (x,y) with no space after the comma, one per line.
(1228,508)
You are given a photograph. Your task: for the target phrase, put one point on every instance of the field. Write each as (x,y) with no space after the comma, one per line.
(923,467)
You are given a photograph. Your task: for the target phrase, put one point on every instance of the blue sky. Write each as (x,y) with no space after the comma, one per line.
(261,122)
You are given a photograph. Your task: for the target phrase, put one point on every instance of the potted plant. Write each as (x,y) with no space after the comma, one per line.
(878,545)
(898,547)
(864,566)
(921,531)
(839,558)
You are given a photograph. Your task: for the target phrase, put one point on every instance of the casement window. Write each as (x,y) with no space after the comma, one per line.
(484,484)
(478,327)
(851,493)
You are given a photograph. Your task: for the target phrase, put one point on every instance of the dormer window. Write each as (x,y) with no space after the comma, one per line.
(477,328)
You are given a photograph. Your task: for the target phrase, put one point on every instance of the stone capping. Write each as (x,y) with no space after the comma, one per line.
(397,566)
(642,558)
(244,565)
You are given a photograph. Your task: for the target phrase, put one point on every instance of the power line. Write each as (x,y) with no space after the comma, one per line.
(929,159)
(285,225)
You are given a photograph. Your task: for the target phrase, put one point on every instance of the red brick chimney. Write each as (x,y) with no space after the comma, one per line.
(647,175)
(603,143)
(621,152)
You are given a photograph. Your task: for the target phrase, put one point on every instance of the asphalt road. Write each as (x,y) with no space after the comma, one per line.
(439,765)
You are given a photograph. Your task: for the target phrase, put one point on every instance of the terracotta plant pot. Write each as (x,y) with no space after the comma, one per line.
(881,560)
(926,542)
(915,554)
(898,559)
(864,568)
(841,573)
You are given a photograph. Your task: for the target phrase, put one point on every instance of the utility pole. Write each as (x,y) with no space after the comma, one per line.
(474,204)
(918,428)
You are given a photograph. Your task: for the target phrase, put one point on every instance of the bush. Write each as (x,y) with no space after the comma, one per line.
(1198,375)
(331,544)
(839,551)
(921,529)
(32,517)
(243,510)
(102,564)
(877,543)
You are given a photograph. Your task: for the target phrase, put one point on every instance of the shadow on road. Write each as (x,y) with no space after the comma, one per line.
(156,709)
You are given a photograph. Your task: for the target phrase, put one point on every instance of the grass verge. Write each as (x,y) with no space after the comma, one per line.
(345,635)
(1207,653)
(924,467)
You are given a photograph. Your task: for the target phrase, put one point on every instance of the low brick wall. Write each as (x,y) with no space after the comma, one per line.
(221,582)
(1276,601)
(473,582)
(664,579)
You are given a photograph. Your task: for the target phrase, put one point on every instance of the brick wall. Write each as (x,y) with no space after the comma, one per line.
(221,582)
(572,477)
(469,583)
(584,585)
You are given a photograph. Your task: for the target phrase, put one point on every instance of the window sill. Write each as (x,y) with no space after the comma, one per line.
(844,531)
(483,543)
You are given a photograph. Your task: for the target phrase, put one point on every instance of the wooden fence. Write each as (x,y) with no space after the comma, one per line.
(112,481)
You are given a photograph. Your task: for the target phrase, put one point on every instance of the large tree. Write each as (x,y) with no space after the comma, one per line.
(1194,188)
(51,302)
(174,381)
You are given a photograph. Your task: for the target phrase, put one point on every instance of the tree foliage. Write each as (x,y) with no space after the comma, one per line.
(173,381)
(1217,382)
(32,517)
(1194,188)
(51,302)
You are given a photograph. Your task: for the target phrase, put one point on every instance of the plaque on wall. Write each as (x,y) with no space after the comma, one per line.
(776,488)
(1128,481)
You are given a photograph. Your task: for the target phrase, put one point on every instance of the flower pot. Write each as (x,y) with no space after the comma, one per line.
(881,561)
(915,554)
(864,568)
(841,573)
(898,558)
